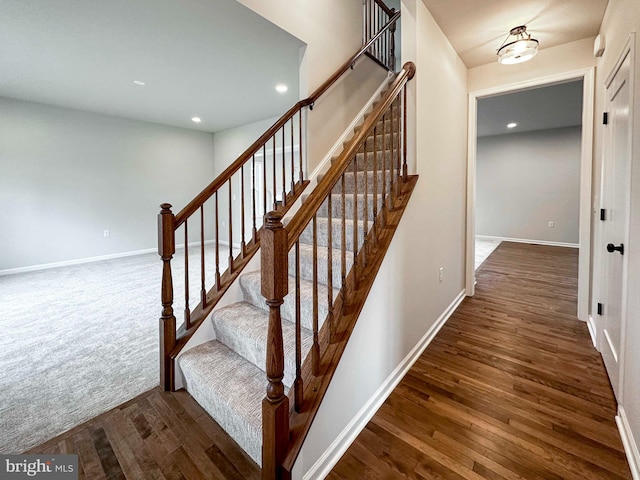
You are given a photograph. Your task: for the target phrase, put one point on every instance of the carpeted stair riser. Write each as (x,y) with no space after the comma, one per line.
(322,233)
(366,161)
(386,125)
(230,389)
(243,328)
(250,285)
(349,202)
(382,142)
(306,264)
(350,182)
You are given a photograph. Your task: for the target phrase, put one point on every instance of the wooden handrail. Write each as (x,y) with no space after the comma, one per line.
(299,222)
(224,177)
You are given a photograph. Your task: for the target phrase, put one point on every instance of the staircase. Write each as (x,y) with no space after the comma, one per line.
(287,333)
(226,376)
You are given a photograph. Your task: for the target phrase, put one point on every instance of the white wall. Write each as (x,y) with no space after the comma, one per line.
(524,180)
(621,18)
(69,175)
(406,299)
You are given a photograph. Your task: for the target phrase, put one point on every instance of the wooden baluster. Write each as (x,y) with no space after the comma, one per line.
(230,228)
(293,162)
(300,149)
(355,221)
(275,406)
(264,180)
(392,36)
(393,156)
(203,289)
(315,350)
(187,309)
(217,245)
(166,250)
(254,192)
(375,180)
(284,170)
(297,384)
(343,260)
(330,318)
(365,202)
(242,226)
(404,133)
(384,170)
(275,189)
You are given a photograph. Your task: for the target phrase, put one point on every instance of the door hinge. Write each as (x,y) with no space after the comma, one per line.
(600,308)
(603,214)
(605,118)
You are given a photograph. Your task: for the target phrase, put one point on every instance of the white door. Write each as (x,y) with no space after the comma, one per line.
(615,201)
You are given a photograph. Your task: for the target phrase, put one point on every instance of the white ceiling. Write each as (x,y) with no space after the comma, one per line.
(477,28)
(553,106)
(214,59)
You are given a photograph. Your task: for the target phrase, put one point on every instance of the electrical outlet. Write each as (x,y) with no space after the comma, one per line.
(551,225)
(106,234)
(441,274)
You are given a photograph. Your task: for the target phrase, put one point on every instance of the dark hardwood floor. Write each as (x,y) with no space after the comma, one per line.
(158,435)
(510,388)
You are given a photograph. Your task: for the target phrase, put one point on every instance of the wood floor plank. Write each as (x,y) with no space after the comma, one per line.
(155,436)
(510,388)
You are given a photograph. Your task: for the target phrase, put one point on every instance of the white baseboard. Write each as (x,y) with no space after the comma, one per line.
(339,145)
(342,442)
(112,256)
(591,324)
(629,443)
(534,242)
(78,261)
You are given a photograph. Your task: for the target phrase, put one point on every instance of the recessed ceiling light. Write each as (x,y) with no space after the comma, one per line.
(196,119)
(512,125)
(281,88)
(139,82)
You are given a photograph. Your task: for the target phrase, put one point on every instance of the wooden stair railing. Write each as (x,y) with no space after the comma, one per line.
(261,185)
(375,14)
(284,429)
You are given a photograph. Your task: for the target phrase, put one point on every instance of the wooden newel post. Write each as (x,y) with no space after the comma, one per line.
(275,406)
(166,249)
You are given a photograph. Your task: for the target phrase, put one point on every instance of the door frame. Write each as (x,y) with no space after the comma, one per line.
(586,165)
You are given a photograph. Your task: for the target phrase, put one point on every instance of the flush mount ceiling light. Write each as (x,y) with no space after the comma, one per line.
(520,50)
(281,88)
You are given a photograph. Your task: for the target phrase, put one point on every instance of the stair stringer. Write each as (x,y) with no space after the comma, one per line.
(205,333)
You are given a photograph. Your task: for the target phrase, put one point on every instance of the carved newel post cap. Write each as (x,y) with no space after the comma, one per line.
(273,219)
(166,207)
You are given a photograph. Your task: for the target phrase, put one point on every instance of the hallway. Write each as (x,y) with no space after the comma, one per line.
(510,388)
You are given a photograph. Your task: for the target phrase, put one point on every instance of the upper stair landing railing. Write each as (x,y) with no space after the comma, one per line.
(375,15)
(220,228)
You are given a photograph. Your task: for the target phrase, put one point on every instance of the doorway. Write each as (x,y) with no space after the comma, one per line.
(584,227)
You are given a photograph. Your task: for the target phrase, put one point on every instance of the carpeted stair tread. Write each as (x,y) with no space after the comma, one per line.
(243,328)
(230,389)
(250,285)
